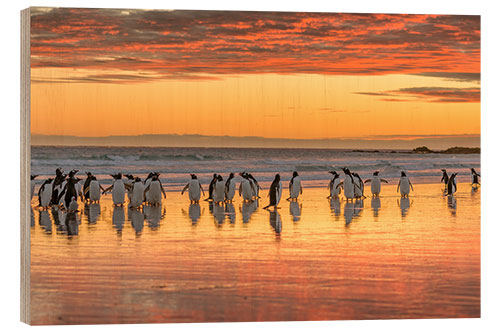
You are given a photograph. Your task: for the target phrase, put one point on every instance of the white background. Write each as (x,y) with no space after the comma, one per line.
(10,158)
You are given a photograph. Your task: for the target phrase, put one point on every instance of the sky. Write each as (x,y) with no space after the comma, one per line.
(106,72)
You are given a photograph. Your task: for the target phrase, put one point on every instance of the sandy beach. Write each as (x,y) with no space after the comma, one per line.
(314,259)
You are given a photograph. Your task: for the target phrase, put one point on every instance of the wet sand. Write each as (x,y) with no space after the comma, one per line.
(315,259)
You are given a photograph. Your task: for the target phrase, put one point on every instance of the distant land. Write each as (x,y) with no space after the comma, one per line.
(174,140)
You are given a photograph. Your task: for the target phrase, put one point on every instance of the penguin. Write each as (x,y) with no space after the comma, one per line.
(275,192)
(137,193)
(245,189)
(444,178)
(155,189)
(78,186)
(57,186)
(348,184)
(255,185)
(333,185)
(45,193)
(193,187)
(219,190)
(117,190)
(69,191)
(73,205)
(359,187)
(86,184)
(295,186)
(33,183)
(94,190)
(128,181)
(211,187)
(475,177)
(404,185)
(376,183)
(147,181)
(451,186)
(230,188)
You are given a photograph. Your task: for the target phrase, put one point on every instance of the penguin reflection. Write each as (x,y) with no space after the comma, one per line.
(92,211)
(247,209)
(275,221)
(71,222)
(359,204)
(375,204)
(118,218)
(59,217)
(231,212)
(452,204)
(219,214)
(404,205)
(194,212)
(136,217)
(32,221)
(335,206)
(348,212)
(153,215)
(45,222)
(295,211)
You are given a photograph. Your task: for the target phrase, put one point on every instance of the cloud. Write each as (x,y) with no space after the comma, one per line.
(430,94)
(171,43)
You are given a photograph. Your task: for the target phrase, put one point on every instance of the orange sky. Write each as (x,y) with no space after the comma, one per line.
(289,75)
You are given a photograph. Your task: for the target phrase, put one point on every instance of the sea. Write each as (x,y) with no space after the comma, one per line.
(176,164)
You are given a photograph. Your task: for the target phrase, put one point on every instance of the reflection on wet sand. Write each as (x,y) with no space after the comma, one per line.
(335,207)
(118,218)
(231,212)
(247,209)
(44,221)
(275,221)
(72,223)
(153,215)
(32,221)
(194,212)
(452,204)
(92,211)
(219,213)
(348,212)
(295,211)
(136,217)
(404,206)
(375,204)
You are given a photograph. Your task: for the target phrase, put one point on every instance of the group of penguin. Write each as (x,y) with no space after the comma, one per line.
(450,183)
(63,190)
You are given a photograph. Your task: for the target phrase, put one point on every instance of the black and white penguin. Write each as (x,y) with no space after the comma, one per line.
(444,178)
(73,205)
(128,181)
(475,177)
(69,191)
(86,184)
(117,190)
(333,187)
(57,186)
(404,185)
(359,187)
(255,185)
(94,190)
(348,184)
(33,183)
(245,190)
(219,190)
(194,189)
(137,193)
(376,183)
(295,186)
(451,186)
(275,192)
(211,187)
(230,189)
(45,193)
(155,189)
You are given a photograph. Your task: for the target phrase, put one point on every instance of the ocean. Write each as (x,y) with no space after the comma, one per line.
(175,164)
